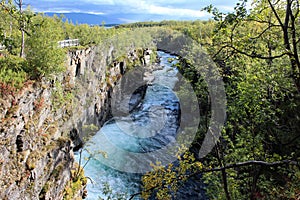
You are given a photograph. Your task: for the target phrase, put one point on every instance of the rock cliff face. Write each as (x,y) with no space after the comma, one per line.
(43,123)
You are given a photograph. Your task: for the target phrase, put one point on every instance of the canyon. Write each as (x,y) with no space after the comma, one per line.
(46,121)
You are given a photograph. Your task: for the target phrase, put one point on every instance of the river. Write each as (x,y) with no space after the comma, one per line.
(116,147)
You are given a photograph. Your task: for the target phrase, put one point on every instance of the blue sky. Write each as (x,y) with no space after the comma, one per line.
(133,10)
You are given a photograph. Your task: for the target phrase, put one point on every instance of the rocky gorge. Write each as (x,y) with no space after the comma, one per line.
(44,122)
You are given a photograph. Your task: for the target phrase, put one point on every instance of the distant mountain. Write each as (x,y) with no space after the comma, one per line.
(110,20)
(91,19)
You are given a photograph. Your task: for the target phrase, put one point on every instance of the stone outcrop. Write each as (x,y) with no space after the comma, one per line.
(42,124)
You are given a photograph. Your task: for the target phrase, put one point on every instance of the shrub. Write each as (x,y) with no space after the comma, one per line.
(12,71)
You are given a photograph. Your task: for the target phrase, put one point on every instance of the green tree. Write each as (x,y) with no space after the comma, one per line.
(8,26)
(258,55)
(43,53)
(20,18)
(274,32)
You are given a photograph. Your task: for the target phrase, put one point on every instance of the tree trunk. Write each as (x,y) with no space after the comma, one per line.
(22,27)
(223,171)
(256,174)
(289,22)
(22,55)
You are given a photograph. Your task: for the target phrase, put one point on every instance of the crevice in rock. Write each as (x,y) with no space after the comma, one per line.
(19,143)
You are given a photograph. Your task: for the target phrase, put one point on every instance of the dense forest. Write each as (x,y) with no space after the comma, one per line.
(257,54)
(257,156)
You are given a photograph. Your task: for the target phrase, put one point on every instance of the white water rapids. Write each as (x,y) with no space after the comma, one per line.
(133,135)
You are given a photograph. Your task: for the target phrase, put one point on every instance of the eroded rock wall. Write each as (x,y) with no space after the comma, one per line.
(42,124)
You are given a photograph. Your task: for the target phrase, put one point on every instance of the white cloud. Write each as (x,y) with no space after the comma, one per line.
(68,11)
(100,2)
(57,10)
(132,6)
(127,20)
(143,7)
(95,13)
(149,9)
(152,9)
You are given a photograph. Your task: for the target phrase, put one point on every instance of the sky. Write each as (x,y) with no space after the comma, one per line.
(127,11)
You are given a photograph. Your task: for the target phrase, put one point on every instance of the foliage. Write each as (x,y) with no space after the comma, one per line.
(42,52)
(77,183)
(12,71)
(61,97)
(110,195)
(261,89)
(87,35)
(43,57)
(164,181)
(257,54)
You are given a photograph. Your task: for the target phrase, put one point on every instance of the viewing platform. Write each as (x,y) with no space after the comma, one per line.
(68,43)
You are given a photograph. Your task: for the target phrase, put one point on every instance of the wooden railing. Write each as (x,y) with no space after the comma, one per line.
(68,43)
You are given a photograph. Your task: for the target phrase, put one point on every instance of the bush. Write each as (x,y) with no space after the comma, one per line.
(13,71)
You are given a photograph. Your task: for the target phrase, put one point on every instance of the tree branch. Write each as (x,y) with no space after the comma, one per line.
(252,162)
(294,37)
(291,141)
(259,35)
(139,193)
(8,9)
(258,56)
(276,14)
(262,22)
(219,51)
(230,166)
